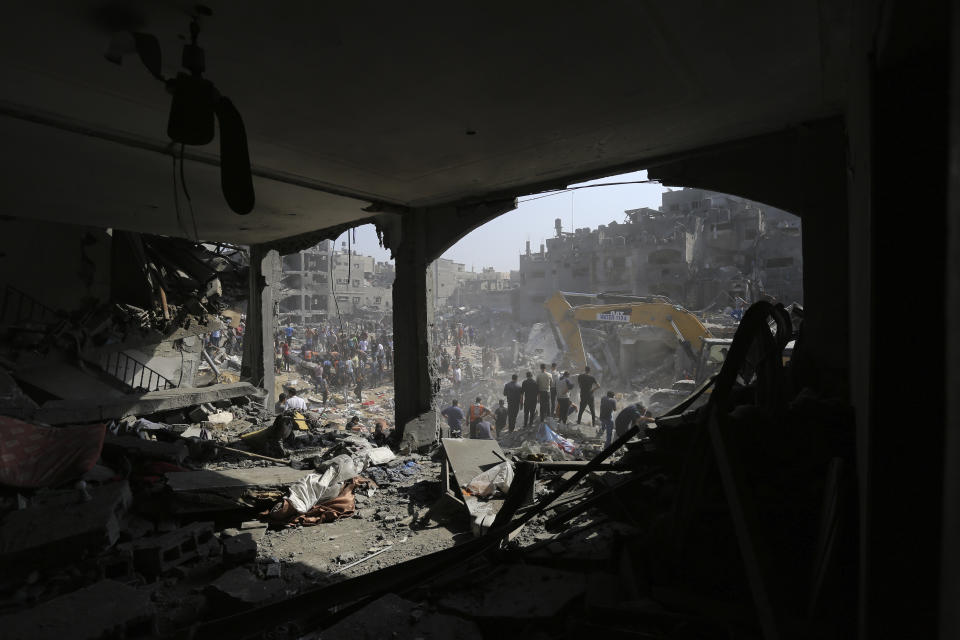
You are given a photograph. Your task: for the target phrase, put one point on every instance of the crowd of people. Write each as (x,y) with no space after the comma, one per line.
(358,356)
(548,394)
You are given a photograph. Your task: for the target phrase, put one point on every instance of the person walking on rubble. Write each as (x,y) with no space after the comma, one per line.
(320,384)
(357,391)
(607,406)
(454,416)
(531,394)
(564,386)
(457,375)
(285,350)
(476,413)
(555,375)
(500,417)
(544,387)
(514,393)
(588,384)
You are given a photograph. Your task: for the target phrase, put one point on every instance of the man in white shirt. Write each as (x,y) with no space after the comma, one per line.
(295,402)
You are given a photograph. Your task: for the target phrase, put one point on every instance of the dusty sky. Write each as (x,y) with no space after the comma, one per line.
(499,242)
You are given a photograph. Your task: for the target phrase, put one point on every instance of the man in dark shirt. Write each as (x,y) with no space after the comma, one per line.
(484,431)
(500,416)
(531,393)
(607,406)
(588,384)
(454,416)
(514,392)
(631,415)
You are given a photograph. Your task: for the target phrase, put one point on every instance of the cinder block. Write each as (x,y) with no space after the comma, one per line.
(156,555)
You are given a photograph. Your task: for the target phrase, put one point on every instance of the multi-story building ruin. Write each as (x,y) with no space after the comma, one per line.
(700,249)
(321,281)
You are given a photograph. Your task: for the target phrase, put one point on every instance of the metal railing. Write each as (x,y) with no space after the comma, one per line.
(18,307)
(133,373)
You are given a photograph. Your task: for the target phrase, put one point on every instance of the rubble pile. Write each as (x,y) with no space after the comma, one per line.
(173,514)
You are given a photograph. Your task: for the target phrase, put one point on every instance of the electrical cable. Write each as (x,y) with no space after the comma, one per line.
(176,196)
(183,183)
(547,194)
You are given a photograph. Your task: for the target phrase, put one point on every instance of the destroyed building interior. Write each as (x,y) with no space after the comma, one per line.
(181,193)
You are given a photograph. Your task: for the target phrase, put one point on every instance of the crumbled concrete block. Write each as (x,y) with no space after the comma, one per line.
(394,617)
(504,594)
(238,546)
(197,414)
(152,449)
(221,418)
(48,534)
(156,555)
(238,589)
(106,609)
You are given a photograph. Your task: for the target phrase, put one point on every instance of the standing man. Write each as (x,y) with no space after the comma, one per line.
(454,416)
(457,375)
(555,375)
(545,387)
(531,393)
(500,417)
(476,413)
(607,406)
(588,384)
(320,384)
(564,385)
(514,392)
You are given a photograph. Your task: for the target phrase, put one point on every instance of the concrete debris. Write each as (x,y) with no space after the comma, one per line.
(106,609)
(156,555)
(391,616)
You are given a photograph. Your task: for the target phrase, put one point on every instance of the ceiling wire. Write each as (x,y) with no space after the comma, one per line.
(547,194)
(183,183)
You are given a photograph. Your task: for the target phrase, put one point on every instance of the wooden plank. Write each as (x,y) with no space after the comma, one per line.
(746,523)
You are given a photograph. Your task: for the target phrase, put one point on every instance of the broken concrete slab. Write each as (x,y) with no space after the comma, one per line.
(422,431)
(233,478)
(13,401)
(391,616)
(89,410)
(239,589)
(106,609)
(47,535)
(517,592)
(140,448)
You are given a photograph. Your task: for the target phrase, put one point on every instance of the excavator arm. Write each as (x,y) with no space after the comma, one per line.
(689,331)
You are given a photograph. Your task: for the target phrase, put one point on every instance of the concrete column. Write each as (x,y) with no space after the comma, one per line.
(264,286)
(410,335)
(898,120)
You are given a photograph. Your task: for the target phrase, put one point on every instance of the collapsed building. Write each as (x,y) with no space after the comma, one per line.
(700,249)
(792,503)
(320,282)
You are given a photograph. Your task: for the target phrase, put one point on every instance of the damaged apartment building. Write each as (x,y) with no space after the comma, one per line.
(319,282)
(104,313)
(145,141)
(700,249)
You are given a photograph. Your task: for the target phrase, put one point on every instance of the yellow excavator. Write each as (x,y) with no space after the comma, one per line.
(569,310)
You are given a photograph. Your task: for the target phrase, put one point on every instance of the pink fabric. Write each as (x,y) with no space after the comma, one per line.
(33,455)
